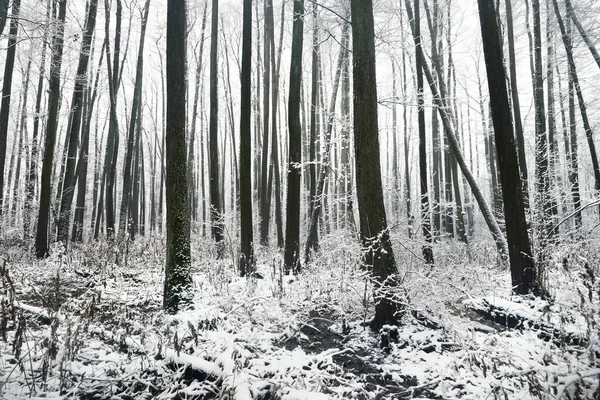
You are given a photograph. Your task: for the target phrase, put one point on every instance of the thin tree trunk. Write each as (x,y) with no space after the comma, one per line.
(312,238)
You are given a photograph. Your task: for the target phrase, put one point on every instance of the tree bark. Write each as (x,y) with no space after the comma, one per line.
(41,240)
(292,224)
(522,267)
(216,207)
(178,258)
(378,255)
(246,262)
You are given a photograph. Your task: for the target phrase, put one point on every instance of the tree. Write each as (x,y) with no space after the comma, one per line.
(81,80)
(41,239)
(427,250)
(177,268)
(246,262)
(6,89)
(291,258)
(378,256)
(264,189)
(216,208)
(522,265)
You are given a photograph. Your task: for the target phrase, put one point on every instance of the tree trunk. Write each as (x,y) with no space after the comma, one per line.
(292,224)
(216,207)
(246,262)
(33,165)
(41,240)
(378,256)
(177,268)
(264,189)
(425,207)
(522,267)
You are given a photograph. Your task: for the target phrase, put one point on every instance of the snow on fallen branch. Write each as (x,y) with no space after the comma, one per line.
(571,379)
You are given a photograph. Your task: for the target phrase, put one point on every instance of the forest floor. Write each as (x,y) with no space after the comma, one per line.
(89,324)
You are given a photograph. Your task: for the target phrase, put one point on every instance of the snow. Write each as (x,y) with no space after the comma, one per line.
(294,337)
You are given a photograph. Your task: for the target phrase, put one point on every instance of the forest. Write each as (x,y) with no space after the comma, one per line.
(299,199)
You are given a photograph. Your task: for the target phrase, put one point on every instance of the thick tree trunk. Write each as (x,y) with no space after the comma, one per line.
(292,224)
(425,206)
(246,262)
(522,266)
(178,259)
(378,255)
(41,240)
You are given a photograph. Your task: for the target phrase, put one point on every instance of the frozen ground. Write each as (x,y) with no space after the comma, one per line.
(90,325)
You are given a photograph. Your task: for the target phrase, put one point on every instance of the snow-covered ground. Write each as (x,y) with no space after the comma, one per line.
(89,324)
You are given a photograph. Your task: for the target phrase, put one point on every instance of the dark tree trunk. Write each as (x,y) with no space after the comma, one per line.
(246,262)
(178,259)
(522,266)
(41,240)
(6,91)
(378,256)
(425,207)
(216,207)
(33,165)
(292,223)
(81,80)
(543,203)
(264,189)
